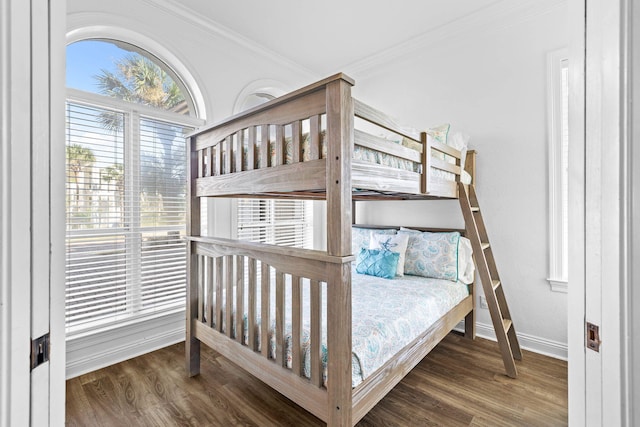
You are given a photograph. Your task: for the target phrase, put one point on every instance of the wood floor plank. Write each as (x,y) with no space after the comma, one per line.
(460,383)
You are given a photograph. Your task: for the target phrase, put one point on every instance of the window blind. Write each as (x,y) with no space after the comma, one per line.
(125,201)
(279,222)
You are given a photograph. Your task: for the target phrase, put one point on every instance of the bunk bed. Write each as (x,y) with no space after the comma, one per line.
(247,300)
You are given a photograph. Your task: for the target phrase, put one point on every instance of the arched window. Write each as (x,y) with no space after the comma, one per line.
(127,114)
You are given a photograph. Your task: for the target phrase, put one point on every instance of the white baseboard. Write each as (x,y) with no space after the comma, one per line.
(532,343)
(96,351)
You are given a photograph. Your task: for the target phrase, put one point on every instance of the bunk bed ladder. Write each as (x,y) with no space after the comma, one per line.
(493,289)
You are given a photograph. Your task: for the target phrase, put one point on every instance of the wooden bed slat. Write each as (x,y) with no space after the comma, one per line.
(279,145)
(445,166)
(265,302)
(296,139)
(217,163)
(367,140)
(308,175)
(218,290)
(296,325)
(228,270)
(446,149)
(281,357)
(239,285)
(379,118)
(316,333)
(251,317)
(264,147)
(314,138)
(201,280)
(209,300)
(426,164)
(228,154)
(239,151)
(201,165)
(251,149)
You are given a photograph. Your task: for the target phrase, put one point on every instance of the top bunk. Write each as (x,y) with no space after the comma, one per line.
(309,142)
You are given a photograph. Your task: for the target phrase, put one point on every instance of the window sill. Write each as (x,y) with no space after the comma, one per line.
(558,285)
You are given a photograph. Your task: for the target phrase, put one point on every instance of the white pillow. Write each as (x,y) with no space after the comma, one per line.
(393,243)
(466,267)
(459,141)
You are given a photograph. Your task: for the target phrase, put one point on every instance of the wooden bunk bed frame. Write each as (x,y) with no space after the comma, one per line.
(222,163)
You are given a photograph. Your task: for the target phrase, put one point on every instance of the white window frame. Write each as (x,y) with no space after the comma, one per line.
(101,347)
(558,276)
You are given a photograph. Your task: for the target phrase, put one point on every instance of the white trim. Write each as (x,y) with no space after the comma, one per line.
(557,270)
(88,353)
(15,202)
(5,213)
(632,267)
(57,388)
(82,27)
(559,285)
(555,349)
(96,100)
(576,368)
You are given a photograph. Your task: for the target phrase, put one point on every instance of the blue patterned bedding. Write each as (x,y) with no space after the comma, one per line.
(387,315)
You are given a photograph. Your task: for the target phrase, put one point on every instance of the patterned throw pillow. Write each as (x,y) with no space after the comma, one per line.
(439,133)
(379,263)
(360,236)
(432,254)
(394,243)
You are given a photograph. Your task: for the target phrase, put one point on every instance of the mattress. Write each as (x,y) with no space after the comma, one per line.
(387,315)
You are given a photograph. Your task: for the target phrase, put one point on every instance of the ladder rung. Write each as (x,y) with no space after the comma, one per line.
(485,245)
(495,284)
(506,323)
(475,209)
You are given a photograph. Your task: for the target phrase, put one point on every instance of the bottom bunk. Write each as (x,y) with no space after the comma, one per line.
(270,310)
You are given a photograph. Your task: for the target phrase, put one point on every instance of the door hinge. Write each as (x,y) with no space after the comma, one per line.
(593,337)
(39,351)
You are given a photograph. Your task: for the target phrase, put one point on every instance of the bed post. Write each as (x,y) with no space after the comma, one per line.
(339,151)
(470,165)
(192,344)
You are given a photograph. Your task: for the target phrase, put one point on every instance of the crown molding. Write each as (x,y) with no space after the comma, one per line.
(496,17)
(211,26)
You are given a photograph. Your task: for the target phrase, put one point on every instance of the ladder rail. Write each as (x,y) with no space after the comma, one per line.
(491,282)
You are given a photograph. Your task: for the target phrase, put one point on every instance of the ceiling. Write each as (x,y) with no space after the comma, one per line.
(322,36)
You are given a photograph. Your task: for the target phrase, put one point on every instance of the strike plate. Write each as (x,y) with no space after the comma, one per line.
(593,337)
(39,351)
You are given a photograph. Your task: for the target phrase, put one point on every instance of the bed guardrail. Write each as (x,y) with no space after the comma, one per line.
(245,291)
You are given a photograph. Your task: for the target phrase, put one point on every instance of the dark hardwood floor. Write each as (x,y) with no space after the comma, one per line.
(460,383)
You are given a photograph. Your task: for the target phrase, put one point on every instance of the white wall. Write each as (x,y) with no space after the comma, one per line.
(491,86)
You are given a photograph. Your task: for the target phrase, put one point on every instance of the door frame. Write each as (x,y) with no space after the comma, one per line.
(32,225)
(600,383)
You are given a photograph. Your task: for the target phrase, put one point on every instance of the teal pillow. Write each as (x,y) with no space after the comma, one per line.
(379,263)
